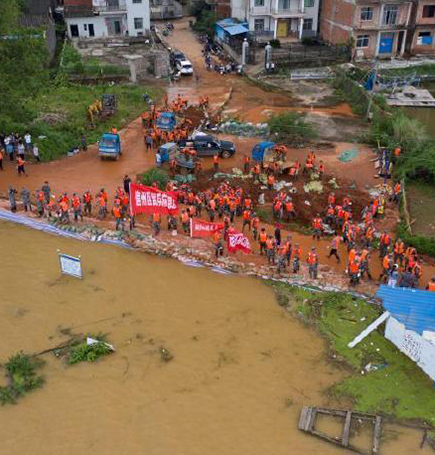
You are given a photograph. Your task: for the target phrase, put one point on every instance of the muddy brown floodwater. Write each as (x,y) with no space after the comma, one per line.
(241,371)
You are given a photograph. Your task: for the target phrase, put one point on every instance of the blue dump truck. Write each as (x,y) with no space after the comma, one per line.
(169,151)
(109,146)
(166,121)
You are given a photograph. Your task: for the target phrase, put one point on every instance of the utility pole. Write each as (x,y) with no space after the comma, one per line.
(375,76)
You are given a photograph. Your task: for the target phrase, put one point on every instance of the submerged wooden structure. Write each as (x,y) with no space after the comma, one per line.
(307,421)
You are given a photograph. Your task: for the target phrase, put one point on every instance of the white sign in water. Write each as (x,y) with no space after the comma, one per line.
(69,265)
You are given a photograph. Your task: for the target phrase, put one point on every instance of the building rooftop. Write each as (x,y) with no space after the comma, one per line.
(414,308)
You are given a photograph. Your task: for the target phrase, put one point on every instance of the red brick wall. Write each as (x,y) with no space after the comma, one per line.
(336,19)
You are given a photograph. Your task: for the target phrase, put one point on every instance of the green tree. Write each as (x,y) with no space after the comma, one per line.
(23,65)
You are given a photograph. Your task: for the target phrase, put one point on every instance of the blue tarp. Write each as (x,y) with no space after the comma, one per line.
(236,30)
(415,308)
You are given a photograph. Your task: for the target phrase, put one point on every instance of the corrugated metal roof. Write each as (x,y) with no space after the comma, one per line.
(226,22)
(236,30)
(414,308)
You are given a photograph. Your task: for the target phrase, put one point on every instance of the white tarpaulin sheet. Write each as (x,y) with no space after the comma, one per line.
(421,351)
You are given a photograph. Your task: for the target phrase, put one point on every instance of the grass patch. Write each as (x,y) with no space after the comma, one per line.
(418,70)
(397,387)
(22,376)
(155,175)
(61,115)
(421,196)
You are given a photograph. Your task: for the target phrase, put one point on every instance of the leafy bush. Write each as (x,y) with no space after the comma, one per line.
(22,374)
(87,353)
(290,125)
(205,22)
(275,43)
(423,245)
(157,175)
(399,130)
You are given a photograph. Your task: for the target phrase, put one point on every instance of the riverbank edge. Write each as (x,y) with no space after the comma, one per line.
(294,287)
(326,314)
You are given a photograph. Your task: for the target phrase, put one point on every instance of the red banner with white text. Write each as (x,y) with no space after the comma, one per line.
(145,199)
(201,228)
(238,241)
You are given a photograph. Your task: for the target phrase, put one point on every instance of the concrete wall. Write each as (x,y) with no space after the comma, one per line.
(413,345)
(239,9)
(99,23)
(138,10)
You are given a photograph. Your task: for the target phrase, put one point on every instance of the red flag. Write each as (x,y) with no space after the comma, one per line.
(238,241)
(145,199)
(201,228)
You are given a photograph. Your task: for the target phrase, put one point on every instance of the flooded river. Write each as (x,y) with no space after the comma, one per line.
(242,366)
(241,371)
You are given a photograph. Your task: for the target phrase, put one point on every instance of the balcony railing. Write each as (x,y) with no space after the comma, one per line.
(110,6)
(287,11)
(262,10)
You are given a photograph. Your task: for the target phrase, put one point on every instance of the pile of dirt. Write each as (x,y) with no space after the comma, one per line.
(307,205)
(195,115)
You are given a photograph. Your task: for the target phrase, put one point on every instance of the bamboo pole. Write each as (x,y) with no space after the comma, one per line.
(405,208)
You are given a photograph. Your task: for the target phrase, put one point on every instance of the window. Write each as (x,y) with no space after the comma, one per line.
(258,2)
(366,13)
(308,24)
(138,23)
(362,41)
(428,11)
(389,16)
(85,26)
(137,1)
(259,25)
(424,39)
(308,3)
(283,4)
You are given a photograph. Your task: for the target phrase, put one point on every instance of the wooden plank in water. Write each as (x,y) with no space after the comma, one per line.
(305,413)
(377,434)
(312,419)
(346,429)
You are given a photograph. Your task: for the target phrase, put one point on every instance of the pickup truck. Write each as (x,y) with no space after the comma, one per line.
(109,146)
(206,145)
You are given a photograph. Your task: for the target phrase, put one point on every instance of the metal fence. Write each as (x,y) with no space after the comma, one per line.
(296,54)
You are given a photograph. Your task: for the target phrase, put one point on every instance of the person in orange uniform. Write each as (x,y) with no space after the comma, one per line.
(354,269)
(313,263)
(216,162)
(384,243)
(87,201)
(270,250)
(102,206)
(20,166)
(77,207)
(431,285)
(185,221)
(297,254)
(399,250)
(157,220)
(116,211)
(218,244)
(262,239)
(317,227)
(387,265)
(64,216)
(246,164)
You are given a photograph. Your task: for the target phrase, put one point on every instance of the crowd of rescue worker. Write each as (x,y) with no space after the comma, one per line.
(226,204)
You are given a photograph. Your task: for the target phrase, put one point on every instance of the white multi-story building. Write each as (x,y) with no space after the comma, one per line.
(278,18)
(107,18)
